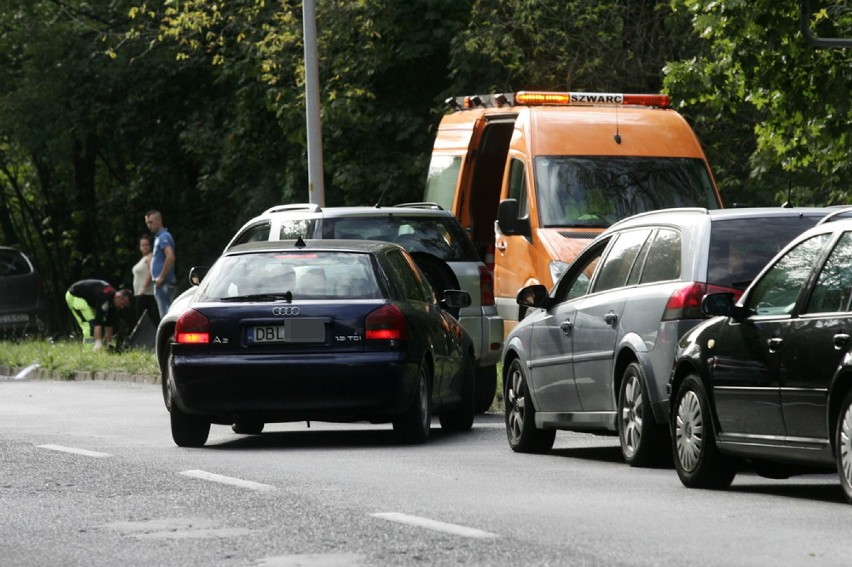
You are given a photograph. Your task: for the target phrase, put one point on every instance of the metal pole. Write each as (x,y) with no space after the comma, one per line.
(316,186)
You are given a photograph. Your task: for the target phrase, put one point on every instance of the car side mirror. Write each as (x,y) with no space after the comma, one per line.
(455,299)
(533,296)
(719,304)
(508,221)
(197,273)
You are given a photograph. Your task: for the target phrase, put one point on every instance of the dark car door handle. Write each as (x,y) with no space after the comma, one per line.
(610,318)
(840,340)
(774,343)
(566,327)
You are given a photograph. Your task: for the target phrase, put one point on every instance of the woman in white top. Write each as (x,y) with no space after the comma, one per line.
(143,288)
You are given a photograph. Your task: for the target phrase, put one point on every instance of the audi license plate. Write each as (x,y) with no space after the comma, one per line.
(289,331)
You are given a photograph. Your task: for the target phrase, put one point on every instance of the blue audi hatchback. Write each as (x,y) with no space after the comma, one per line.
(322,330)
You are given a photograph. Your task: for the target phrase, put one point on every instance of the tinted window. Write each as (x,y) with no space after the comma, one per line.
(620,259)
(518,188)
(599,190)
(663,260)
(256,233)
(406,279)
(740,248)
(833,288)
(777,291)
(13,263)
(440,236)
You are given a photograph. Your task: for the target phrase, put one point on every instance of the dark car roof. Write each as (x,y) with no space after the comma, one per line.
(368,246)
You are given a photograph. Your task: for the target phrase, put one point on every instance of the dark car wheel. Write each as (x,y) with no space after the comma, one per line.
(643,441)
(247,427)
(460,418)
(188,430)
(486,387)
(843,445)
(413,426)
(520,416)
(698,461)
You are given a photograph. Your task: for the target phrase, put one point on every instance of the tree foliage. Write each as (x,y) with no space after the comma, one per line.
(196,107)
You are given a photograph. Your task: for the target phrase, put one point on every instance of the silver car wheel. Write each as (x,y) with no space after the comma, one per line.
(845,448)
(631,414)
(515,400)
(689,431)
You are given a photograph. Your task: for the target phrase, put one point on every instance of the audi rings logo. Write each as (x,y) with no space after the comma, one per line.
(285,310)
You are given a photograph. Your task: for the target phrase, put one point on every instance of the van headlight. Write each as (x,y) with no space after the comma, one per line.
(557,268)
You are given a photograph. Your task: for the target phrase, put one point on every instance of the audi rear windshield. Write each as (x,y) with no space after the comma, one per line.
(274,276)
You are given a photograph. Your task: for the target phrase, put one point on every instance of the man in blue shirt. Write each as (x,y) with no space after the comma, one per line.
(163,262)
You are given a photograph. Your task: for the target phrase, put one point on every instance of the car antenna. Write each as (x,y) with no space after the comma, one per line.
(378,204)
(300,243)
(789,203)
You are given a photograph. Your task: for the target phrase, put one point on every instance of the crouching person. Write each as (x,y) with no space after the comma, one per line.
(94,304)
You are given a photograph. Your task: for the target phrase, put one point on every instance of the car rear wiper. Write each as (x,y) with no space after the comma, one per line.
(285,296)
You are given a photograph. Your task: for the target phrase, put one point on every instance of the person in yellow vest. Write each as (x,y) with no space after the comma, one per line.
(94,304)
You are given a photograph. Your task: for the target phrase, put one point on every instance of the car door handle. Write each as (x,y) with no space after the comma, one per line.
(611,318)
(501,246)
(840,340)
(567,327)
(774,344)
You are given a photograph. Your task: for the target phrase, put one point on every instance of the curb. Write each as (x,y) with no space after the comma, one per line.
(34,373)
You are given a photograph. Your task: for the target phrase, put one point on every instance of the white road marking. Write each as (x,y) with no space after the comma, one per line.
(453,529)
(204,475)
(76,451)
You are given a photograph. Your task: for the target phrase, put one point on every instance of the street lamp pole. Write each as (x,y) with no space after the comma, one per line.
(316,186)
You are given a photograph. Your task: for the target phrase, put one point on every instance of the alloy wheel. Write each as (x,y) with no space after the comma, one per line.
(689,431)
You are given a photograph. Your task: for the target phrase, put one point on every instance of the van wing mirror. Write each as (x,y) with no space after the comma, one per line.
(533,296)
(196,274)
(508,221)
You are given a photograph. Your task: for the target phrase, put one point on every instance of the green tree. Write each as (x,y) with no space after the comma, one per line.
(774,111)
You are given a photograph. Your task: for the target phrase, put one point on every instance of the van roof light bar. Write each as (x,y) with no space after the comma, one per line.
(544,98)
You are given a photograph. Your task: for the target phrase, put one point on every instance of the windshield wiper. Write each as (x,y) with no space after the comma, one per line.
(285,296)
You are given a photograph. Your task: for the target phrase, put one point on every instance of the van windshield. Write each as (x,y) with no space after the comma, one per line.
(596,191)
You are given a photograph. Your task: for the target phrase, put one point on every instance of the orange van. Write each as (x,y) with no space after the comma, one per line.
(534,176)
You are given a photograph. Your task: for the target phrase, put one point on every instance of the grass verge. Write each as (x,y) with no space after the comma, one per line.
(67,357)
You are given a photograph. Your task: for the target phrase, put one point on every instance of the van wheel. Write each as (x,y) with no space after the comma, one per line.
(697,459)
(843,445)
(643,441)
(486,387)
(520,415)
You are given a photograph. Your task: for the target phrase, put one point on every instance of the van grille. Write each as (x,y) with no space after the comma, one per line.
(572,234)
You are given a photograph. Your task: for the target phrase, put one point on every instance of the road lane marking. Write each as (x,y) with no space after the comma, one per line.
(212,477)
(76,451)
(453,529)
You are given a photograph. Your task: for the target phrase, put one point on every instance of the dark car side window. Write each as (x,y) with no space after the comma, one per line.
(405,279)
(620,259)
(833,290)
(13,264)
(777,291)
(576,281)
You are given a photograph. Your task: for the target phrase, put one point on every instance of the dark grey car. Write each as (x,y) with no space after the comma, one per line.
(23,302)
(596,352)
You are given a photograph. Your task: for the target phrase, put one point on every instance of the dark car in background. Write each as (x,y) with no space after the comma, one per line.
(595,354)
(768,383)
(317,330)
(23,301)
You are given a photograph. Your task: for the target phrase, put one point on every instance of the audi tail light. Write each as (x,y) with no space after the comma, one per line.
(192,328)
(685,302)
(386,323)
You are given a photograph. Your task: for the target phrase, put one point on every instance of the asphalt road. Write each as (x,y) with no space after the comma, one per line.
(89,475)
